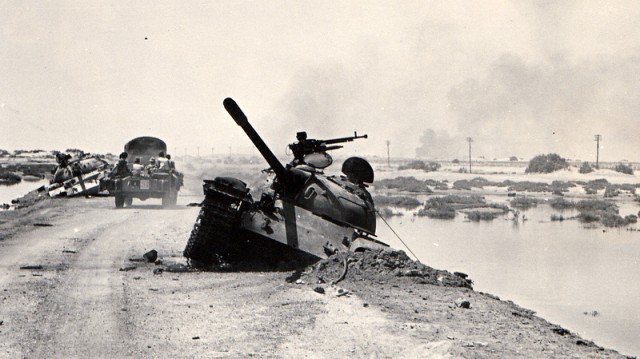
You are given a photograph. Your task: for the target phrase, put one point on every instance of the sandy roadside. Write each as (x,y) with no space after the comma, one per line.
(83,303)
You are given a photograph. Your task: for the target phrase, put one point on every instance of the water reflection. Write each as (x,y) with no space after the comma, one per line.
(559,269)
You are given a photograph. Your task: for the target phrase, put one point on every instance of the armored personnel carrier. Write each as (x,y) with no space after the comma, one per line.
(302,215)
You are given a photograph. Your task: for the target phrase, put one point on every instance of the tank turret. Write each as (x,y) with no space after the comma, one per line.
(304,214)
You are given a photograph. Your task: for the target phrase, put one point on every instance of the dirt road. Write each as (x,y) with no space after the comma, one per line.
(83,298)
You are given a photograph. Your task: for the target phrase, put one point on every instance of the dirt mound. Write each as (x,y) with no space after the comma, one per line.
(383,265)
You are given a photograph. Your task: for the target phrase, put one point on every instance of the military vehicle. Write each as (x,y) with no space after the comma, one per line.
(77,177)
(162,183)
(302,215)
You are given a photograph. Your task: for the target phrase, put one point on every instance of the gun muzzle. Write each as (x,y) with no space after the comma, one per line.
(235,111)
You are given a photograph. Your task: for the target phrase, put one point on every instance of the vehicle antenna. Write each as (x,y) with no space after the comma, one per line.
(394,232)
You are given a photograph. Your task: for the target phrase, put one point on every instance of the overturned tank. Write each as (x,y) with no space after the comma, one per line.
(77,177)
(302,216)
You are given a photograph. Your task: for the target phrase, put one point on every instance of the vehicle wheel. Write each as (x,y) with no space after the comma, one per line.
(119,201)
(128,201)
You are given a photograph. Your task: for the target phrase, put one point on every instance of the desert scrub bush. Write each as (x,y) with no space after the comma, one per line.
(421,165)
(604,211)
(524,202)
(513,158)
(445,207)
(561,186)
(413,165)
(481,216)
(455,160)
(408,184)
(611,191)
(585,168)
(546,164)
(446,212)
(527,186)
(561,203)
(477,182)
(592,205)
(460,201)
(613,220)
(8,178)
(557,217)
(439,185)
(397,201)
(622,168)
(432,167)
(462,184)
(387,212)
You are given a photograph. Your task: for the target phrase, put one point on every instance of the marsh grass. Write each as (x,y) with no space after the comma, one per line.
(524,202)
(561,203)
(396,201)
(407,184)
(445,207)
(9,178)
(477,216)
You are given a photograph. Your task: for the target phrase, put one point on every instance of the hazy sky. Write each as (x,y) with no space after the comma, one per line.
(521,78)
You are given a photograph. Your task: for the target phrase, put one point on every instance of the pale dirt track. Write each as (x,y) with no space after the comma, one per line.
(81,305)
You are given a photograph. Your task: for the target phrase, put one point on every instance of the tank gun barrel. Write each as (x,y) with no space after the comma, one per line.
(241,119)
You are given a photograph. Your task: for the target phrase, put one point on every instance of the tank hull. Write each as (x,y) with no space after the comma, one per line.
(231,230)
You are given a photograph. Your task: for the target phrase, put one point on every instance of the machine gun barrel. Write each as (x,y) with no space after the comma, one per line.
(343,139)
(241,119)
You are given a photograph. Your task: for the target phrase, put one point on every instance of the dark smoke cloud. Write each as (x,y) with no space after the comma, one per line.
(525,109)
(440,145)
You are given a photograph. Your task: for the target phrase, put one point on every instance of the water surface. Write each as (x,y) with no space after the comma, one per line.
(7,193)
(559,269)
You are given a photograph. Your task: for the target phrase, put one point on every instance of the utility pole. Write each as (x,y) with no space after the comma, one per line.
(211,151)
(198,149)
(469,139)
(388,157)
(597,138)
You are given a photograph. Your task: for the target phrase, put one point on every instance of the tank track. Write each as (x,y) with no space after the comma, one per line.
(212,236)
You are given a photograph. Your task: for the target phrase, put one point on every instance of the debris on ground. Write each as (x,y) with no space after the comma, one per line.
(560,331)
(463,303)
(128,267)
(177,268)
(318,289)
(72,251)
(31,266)
(151,256)
(382,265)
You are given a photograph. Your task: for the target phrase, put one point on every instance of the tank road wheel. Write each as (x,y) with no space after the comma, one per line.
(128,201)
(119,201)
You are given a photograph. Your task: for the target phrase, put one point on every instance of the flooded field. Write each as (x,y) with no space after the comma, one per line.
(7,193)
(584,279)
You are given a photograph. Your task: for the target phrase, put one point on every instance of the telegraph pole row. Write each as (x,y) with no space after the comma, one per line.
(597,138)
(469,139)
